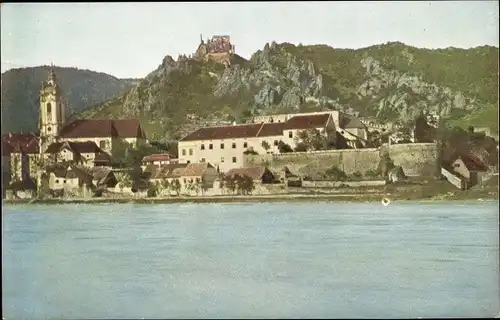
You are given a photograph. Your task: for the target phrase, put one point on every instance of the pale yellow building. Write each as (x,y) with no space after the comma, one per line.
(224,146)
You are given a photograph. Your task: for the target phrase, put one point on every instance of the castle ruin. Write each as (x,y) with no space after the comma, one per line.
(218,48)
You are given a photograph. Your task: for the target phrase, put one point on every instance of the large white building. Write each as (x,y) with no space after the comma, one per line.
(224,146)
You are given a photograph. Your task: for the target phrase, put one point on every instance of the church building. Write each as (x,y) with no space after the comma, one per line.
(24,155)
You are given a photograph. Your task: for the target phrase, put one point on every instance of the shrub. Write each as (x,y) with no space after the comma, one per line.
(336,174)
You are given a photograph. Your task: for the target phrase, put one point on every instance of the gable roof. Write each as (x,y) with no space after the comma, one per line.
(351,123)
(196,169)
(20,143)
(255,173)
(471,162)
(235,131)
(171,170)
(78,147)
(157,157)
(128,128)
(307,122)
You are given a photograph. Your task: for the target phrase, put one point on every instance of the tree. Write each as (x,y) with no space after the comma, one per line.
(266,145)
(385,164)
(176,186)
(313,139)
(244,184)
(153,188)
(284,147)
(301,147)
(355,176)
(165,184)
(371,173)
(229,184)
(125,181)
(336,174)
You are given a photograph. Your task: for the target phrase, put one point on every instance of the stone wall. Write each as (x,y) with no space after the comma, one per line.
(416,159)
(338,184)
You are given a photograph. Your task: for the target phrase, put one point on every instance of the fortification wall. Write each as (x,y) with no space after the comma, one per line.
(416,159)
(308,163)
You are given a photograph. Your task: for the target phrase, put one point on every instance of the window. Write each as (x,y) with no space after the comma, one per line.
(49,108)
(202,147)
(185,180)
(49,129)
(234,159)
(190,152)
(188,161)
(342,132)
(222,159)
(64,181)
(57,180)
(102,144)
(290,134)
(234,145)
(210,146)
(183,152)
(202,160)
(222,146)
(245,144)
(198,180)
(275,142)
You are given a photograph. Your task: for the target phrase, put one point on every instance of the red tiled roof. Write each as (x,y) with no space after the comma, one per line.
(471,162)
(271,129)
(20,142)
(79,147)
(128,128)
(157,157)
(225,132)
(196,169)
(307,122)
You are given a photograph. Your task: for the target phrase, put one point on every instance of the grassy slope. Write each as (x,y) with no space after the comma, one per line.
(472,72)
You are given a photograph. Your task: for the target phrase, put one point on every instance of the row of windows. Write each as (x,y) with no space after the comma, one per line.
(211,146)
(221,160)
(233,145)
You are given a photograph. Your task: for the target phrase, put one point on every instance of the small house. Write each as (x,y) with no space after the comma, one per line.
(469,167)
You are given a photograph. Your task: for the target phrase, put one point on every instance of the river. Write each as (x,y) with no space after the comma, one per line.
(275,260)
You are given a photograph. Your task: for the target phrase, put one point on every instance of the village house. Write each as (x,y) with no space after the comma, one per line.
(468,167)
(224,146)
(157,160)
(94,141)
(349,127)
(69,180)
(84,153)
(191,177)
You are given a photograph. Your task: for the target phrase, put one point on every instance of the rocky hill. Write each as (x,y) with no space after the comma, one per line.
(82,88)
(392,81)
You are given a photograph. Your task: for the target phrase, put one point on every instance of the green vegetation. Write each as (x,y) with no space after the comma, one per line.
(81,89)
(170,96)
(239,184)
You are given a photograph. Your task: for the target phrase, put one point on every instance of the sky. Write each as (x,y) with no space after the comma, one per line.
(129,40)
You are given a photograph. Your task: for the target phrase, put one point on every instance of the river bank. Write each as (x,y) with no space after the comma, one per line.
(339,197)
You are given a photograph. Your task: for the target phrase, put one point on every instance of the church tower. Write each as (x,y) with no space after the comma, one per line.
(52,111)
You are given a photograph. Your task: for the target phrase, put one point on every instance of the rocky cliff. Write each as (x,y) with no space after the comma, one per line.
(391,81)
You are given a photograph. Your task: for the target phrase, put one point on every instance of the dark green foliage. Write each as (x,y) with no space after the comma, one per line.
(241,184)
(336,174)
(250,151)
(356,176)
(81,89)
(152,189)
(265,145)
(472,72)
(371,173)
(284,147)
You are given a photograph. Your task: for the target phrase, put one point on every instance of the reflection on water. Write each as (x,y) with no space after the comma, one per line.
(305,260)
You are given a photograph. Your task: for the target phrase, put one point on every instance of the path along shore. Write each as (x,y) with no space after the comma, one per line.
(341,197)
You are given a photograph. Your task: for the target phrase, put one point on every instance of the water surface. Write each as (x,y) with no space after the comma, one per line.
(306,260)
